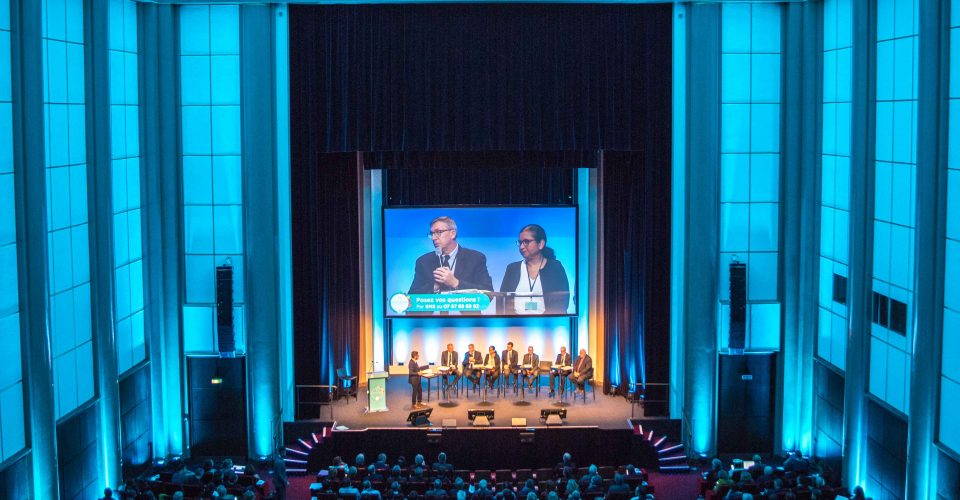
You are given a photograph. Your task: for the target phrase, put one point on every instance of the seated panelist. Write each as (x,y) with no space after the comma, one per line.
(492,362)
(510,363)
(531,360)
(563,359)
(450,359)
(472,360)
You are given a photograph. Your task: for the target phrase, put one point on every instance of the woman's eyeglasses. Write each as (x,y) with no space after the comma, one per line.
(521,243)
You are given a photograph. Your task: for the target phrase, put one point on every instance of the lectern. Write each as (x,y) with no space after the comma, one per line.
(377,391)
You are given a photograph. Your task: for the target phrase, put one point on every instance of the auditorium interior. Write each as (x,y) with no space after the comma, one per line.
(277,249)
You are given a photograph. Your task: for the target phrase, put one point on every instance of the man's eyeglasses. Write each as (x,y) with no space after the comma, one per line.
(438,233)
(521,243)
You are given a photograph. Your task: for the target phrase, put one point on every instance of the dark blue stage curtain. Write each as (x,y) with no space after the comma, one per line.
(636,264)
(480,77)
(326,267)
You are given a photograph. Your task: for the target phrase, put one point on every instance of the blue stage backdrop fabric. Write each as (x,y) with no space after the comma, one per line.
(481,77)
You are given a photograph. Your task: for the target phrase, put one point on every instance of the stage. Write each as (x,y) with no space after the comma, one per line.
(606,412)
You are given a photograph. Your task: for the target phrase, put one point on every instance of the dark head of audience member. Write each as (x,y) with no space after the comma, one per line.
(381,463)
(107,494)
(360,461)
(441,464)
(567,467)
(619,485)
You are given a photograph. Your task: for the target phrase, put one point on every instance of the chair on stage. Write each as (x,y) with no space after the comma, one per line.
(593,390)
(346,383)
(545,367)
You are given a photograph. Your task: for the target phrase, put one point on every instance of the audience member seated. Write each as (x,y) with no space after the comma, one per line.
(437,492)
(395,493)
(369,493)
(529,486)
(586,478)
(595,488)
(797,463)
(184,475)
(618,485)
(441,466)
(373,474)
(724,483)
(572,487)
(756,470)
(348,490)
(566,468)
(716,465)
(381,463)
(107,494)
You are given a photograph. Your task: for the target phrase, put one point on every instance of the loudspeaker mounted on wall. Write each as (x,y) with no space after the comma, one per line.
(738,306)
(225,326)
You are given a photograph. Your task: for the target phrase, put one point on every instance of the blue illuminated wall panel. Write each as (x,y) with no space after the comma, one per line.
(11,370)
(750,166)
(835,181)
(949,434)
(125,162)
(68,250)
(211,159)
(894,223)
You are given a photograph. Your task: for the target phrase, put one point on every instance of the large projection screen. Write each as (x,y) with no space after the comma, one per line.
(487,261)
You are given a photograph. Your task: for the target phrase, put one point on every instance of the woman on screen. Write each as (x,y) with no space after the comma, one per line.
(538,282)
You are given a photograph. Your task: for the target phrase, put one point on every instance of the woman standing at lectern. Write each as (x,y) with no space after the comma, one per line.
(539,281)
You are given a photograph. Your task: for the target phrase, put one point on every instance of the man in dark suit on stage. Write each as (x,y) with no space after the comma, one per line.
(531,359)
(563,359)
(509,362)
(450,359)
(582,370)
(450,266)
(472,357)
(492,360)
(413,376)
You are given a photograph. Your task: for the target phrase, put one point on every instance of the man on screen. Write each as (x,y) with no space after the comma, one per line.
(450,266)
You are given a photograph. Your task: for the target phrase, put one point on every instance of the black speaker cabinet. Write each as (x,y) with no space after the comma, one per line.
(738,306)
(225,336)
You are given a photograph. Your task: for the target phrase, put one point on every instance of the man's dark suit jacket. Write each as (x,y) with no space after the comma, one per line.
(564,361)
(413,371)
(514,360)
(448,358)
(586,369)
(496,361)
(470,269)
(533,360)
(477,358)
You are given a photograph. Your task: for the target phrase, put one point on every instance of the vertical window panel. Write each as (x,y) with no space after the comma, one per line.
(211,162)
(894,195)
(125,155)
(750,163)
(835,175)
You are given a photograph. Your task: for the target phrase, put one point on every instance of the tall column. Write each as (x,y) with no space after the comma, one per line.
(262,263)
(863,137)
(100,207)
(800,218)
(702,224)
(160,197)
(931,229)
(28,129)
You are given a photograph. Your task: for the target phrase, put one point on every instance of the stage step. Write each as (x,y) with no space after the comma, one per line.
(672,458)
(675,468)
(299,449)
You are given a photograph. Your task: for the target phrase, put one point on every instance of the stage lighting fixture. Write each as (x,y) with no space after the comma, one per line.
(553,416)
(480,418)
(420,417)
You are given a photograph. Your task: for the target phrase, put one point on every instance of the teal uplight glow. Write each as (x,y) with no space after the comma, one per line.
(678,207)
(376,250)
(586,265)
(284,231)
